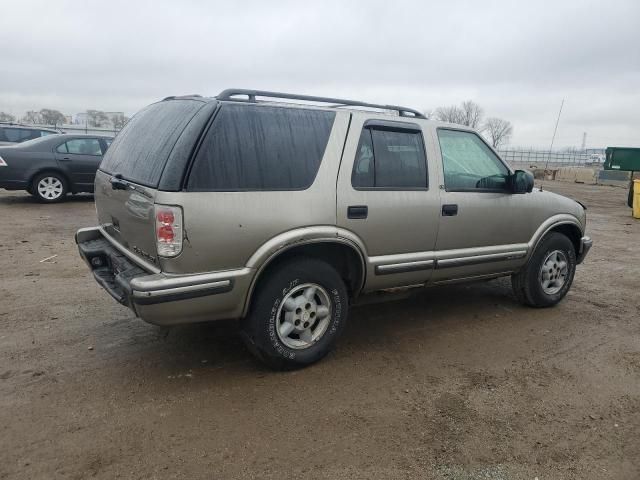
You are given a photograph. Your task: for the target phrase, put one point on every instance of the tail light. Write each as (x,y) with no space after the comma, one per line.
(168,230)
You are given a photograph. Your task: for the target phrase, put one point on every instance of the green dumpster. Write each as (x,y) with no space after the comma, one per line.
(623,159)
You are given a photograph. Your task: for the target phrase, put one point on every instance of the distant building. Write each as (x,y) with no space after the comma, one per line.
(80,118)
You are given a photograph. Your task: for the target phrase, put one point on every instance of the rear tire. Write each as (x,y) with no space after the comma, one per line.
(49,187)
(298,312)
(548,275)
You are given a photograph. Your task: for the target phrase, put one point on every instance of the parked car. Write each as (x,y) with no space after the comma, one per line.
(11,133)
(283,215)
(52,166)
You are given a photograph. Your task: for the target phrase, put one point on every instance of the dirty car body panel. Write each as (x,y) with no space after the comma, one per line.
(402,234)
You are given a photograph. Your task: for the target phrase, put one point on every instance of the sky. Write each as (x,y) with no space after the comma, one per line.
(517,59)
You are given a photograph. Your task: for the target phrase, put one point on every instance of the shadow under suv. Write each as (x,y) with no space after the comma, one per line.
(282,214)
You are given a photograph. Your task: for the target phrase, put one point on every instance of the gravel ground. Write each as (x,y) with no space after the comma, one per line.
(453,383)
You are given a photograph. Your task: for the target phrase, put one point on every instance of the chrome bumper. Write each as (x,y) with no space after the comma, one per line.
(585,246)
(163,298)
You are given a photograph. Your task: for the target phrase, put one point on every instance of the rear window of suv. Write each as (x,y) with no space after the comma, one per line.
(250,147)
(141,149)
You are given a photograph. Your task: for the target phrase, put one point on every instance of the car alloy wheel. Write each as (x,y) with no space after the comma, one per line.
(303,316)
(50,188)
(554,272)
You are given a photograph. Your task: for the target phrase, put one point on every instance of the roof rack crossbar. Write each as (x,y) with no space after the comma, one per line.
(338,102)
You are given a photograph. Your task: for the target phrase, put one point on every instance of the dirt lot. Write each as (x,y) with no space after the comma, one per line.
(454,383)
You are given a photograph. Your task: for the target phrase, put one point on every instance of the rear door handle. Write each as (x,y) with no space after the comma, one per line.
(65,159)
(357,211)
(449,210)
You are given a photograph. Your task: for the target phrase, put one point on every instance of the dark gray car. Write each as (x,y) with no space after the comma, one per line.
(52,166)
(11,133)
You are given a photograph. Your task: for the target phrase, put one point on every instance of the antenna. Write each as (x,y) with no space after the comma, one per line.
(552,140)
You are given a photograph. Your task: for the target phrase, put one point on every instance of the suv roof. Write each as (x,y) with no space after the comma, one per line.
(231,95)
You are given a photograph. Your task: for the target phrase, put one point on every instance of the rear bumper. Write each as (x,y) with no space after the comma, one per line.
(585,245)
(13,184)
(162,298)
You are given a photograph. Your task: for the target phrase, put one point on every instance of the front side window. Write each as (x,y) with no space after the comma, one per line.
(84,146)
(469,164)
(390,159)
(250,147)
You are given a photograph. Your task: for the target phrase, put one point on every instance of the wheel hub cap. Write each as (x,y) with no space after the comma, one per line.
(50,188)
(554,272)
(303,316)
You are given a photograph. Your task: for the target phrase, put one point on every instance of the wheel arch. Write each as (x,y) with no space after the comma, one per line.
(564,224)
(571,231)
(344,255)
(58,171)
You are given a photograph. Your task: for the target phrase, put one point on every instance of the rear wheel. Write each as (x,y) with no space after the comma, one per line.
(49,187)
(547,277)
(298,312)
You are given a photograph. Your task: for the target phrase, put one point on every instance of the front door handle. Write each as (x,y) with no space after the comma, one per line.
(357,211)
(65,159)
(449,210)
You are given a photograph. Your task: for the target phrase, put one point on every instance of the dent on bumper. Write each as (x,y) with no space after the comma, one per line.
(585,245)
(161,298)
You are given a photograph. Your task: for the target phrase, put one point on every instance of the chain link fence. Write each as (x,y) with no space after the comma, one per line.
(553,159)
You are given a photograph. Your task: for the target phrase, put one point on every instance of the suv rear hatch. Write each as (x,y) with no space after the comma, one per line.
(133,168)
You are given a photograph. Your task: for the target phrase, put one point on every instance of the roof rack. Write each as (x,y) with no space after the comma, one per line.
(335,102)
(182,97)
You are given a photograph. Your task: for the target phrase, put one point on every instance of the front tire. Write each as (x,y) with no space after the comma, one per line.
(298,312)
(546,279)
(49,187)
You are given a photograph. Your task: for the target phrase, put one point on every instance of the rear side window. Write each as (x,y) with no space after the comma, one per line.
(16,135)
(390,159)
(81,146)
(141,149)
(250,147)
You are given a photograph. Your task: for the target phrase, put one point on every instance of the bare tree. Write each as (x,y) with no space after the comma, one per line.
(119,120)
(451,114)
(32,117)
(51,117)
(468,113)
(471,114)
(97,118)
(7,117)
(498,130)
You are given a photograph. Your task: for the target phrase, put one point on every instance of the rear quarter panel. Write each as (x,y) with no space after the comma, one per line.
(22,165)
(224,229)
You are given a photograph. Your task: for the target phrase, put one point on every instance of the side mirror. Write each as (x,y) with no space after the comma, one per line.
(521,181)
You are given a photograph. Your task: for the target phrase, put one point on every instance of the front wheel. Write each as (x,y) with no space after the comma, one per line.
(298,312)
(547,277)
(49,187)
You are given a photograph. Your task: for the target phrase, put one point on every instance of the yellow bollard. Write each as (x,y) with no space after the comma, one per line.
(636,199)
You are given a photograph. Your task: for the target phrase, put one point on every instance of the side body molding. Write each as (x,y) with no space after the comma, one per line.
(374,267)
